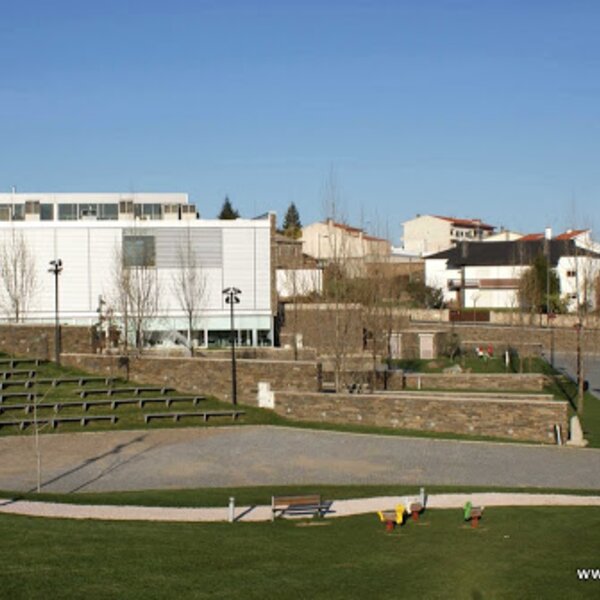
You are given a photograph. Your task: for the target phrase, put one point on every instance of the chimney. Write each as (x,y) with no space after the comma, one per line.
(548,233)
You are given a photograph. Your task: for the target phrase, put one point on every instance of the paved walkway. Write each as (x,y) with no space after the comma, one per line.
(339,508)
(269,456)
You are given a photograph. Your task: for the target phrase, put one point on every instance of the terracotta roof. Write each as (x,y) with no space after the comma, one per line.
(532,237)
(571,234)
(466,222)
(357,231)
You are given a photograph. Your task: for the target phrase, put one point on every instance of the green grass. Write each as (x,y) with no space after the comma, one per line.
(472,364)
(130,417)
(516,553)
(261,495)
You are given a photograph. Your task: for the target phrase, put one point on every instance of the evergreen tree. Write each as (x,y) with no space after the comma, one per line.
(292,226)
(227,211)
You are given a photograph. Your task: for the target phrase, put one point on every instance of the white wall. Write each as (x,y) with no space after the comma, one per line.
(88,250)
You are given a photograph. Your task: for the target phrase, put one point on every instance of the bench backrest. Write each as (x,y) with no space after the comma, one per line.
(307,499)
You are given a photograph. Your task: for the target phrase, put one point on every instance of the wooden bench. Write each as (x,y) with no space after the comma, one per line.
(55,421)
(234,414)
(80,381)
(136,391)
(9,374)
(13,362)
(168,400)
(26,383)
(306,504)
(10,395)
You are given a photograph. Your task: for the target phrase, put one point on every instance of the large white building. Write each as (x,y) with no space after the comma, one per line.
(95,235)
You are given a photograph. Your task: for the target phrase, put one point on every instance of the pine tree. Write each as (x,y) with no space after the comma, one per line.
(227,211)
(292,226)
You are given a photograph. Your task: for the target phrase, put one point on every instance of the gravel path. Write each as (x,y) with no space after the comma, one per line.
(339,508)
(262,455)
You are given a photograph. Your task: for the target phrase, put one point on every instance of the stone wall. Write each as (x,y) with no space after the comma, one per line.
(519,420)
(509,382)
(563,339)
(204,376)
(38,340)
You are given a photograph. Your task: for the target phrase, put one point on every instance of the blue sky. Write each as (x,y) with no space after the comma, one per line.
(484,108)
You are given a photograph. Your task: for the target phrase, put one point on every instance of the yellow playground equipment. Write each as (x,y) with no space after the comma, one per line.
(392,517)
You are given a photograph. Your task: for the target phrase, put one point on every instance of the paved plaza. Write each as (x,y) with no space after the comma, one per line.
(265,455)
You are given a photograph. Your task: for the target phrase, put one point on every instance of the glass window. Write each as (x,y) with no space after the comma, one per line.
(108,212)
(47,212)
(264,337)
(67,212)
(88,210)
(139,251)
(5,212)
(18,212)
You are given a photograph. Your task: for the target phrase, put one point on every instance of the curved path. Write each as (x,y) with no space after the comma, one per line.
(264,455)
(338,508)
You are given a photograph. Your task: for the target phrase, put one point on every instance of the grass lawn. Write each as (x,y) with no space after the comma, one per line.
(261,495)
(131,417)
(516,553)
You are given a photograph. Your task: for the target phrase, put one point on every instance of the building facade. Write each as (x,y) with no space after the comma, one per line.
(157,241)
(428,234)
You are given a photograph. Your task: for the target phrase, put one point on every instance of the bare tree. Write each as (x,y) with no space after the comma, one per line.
(189,284)
(136,292)
(18,276)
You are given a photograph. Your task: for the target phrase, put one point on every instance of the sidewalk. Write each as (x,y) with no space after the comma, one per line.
(339,508)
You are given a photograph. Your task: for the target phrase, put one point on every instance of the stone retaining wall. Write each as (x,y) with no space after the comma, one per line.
(519,420)
(203,375)
(510,382)
(38,340)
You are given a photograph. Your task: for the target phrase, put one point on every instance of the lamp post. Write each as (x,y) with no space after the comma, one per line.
(232,297)
(56,268)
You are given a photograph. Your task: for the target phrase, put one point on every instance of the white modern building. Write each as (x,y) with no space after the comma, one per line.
(428,234)
(98,236)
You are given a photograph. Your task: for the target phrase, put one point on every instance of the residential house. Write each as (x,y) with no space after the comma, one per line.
(475,274)
(428,234)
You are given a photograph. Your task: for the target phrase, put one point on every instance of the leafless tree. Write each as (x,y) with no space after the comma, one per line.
(189,284)
(136,292)
(18,276)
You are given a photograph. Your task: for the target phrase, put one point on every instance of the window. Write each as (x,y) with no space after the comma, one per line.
(571,273)
(148,211)
(5,212)
(108,212)
(139,251)
(18,212)
(126,206)
(32,207)
(88,211)
(47,212)
(67,212)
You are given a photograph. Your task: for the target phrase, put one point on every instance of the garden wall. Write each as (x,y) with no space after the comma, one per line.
(38,340)
(520,420)
(204,375)
(509,382)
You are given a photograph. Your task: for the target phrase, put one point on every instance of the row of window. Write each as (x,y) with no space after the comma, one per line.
(101,212)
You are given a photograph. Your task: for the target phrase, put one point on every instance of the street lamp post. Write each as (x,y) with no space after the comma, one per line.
(232,296)
(56,268)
